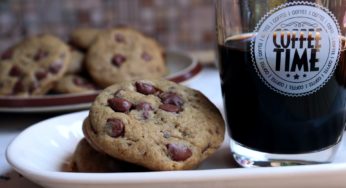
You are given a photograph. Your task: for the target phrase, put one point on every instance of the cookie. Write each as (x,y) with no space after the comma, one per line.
(74,84)
(33,66)
(86,159)
(124,54)
(76,62)
(156,124)
(84,37)
(155,45)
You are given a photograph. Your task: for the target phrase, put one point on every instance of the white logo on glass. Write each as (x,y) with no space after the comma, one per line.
(296,48)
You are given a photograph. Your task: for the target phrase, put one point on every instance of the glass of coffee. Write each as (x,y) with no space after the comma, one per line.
(283,78)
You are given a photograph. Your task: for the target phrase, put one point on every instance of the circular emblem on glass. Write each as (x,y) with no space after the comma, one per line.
(296,48)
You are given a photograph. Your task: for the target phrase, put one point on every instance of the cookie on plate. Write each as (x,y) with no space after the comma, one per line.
(156,124)
(74,84)
(33,66)
(86,159)
(123,54)
(76,62)
(84,37)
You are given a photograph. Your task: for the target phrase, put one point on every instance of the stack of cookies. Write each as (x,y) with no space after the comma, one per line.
(119,54)
(33,66)
(94,59)
(150,124)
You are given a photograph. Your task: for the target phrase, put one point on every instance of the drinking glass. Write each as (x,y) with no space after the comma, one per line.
(282,69)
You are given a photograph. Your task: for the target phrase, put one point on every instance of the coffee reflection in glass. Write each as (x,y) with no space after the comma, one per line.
(282,69)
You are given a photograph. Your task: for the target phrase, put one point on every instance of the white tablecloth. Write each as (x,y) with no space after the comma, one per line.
(12,124)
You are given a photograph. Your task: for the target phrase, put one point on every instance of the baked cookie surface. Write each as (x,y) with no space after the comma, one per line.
(84,37)
(156,124)
(74,84)
(33,66)
(86,159)
(76,62)
(123,54)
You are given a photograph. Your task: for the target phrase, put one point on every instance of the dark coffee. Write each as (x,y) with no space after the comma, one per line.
(262,119)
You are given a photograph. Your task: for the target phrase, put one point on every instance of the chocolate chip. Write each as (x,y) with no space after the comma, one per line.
(56,66)
(40,54)
(169,108)
(18,87)
(178,152)
(7,54)
(145,107)
(171,98)
(15,71)
(33,86)
(145,88)
(78,81)
(118,60)
(115,128)
(40,75)
(83,83)
(119,104)
(146,57)
(120,38)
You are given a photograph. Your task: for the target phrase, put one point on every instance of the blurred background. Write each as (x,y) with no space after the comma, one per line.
(177,24)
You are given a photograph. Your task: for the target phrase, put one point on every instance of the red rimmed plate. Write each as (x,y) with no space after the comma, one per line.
(181,67)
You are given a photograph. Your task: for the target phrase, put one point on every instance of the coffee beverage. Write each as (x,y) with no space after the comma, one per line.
(262,119)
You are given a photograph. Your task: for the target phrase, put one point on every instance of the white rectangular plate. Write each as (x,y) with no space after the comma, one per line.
(40,151)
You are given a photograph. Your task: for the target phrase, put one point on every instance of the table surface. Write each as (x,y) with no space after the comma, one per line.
(12,124)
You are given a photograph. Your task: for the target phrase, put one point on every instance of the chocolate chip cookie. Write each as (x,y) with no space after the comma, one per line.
(123,54)
(33,66)
(156,124)
(76,62)
(86,159)
(74,84)
(84,37)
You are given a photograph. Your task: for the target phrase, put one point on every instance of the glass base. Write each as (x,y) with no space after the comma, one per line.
(249,158)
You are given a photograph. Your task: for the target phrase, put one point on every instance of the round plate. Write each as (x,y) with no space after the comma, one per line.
(181,67)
